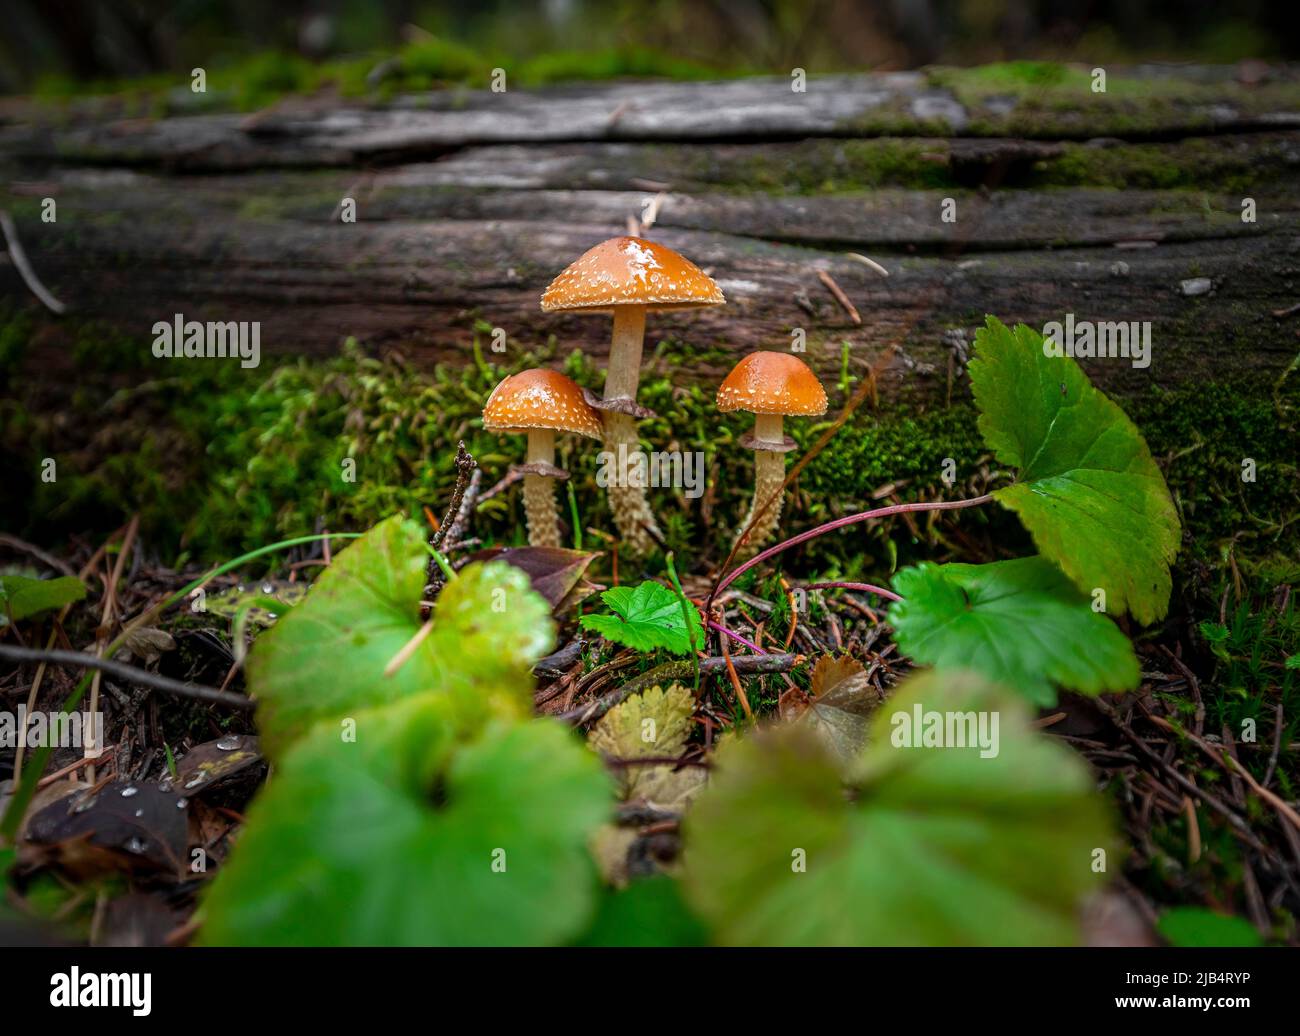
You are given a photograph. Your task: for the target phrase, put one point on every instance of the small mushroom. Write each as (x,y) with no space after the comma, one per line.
(629,276)
(540,403)
(771,386)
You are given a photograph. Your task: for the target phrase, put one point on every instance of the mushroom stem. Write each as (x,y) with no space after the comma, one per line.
(539,494)
(631,511)
(624,371)
(769,473)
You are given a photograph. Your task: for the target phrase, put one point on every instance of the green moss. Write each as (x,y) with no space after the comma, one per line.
(1202,434)
(217,459)
(1040,99)
(260,79)
(1237,165)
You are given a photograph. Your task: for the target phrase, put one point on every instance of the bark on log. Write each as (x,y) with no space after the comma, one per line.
(477,235)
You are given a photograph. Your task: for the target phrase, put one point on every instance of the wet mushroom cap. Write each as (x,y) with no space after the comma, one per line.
(631,271)
(772,383)
(540,398)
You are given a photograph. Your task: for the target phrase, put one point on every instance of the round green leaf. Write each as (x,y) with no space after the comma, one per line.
(1088,490)
(326,658)
(1019,622)
(405,838)
(648,616)
(931,846)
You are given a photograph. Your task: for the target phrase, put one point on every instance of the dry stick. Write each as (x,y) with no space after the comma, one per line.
(794,614)
(24,268)
(49,779)
(126,672)
(1193,831)
(455,532)
(1193,683)
(408,649)
(512,475)
(465,467)
(1232,765)
(86,569)
(105,625)
(1241,827)
(840,297)
(1277,745)
(735,682)
(29,548)
(748,665)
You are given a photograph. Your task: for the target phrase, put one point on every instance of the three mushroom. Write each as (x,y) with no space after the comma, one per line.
(629,277)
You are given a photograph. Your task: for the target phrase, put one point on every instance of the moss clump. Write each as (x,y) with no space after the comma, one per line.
(1220,164)
(261,79)
(1202,435)
(1036,99)
(217,459)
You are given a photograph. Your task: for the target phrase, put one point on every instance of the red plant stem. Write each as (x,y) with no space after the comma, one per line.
(869,588)
(735,636)
(840,523)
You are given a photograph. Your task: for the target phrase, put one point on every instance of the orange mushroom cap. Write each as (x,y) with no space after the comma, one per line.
(540,398)
(631,271)
(772,383)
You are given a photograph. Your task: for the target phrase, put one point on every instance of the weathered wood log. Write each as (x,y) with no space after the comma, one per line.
(763,108)
(440,246)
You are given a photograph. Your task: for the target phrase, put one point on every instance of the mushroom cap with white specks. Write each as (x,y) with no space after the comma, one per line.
(631,271)
(772,383)
(540,398)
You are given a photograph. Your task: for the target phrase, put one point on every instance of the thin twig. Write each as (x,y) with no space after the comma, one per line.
(127,672)
(46,559)
(24,268)
(748,665)
(840,297)
(435,579)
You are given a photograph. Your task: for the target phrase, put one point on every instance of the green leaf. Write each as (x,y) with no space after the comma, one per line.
(931,846)
(1019,622)
(649,912)
(326,658)
(405,837)
(649,616)
(1088,491)
(1196,926)
(21,597)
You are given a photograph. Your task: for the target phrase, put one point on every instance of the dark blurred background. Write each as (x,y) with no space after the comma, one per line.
(66,45)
